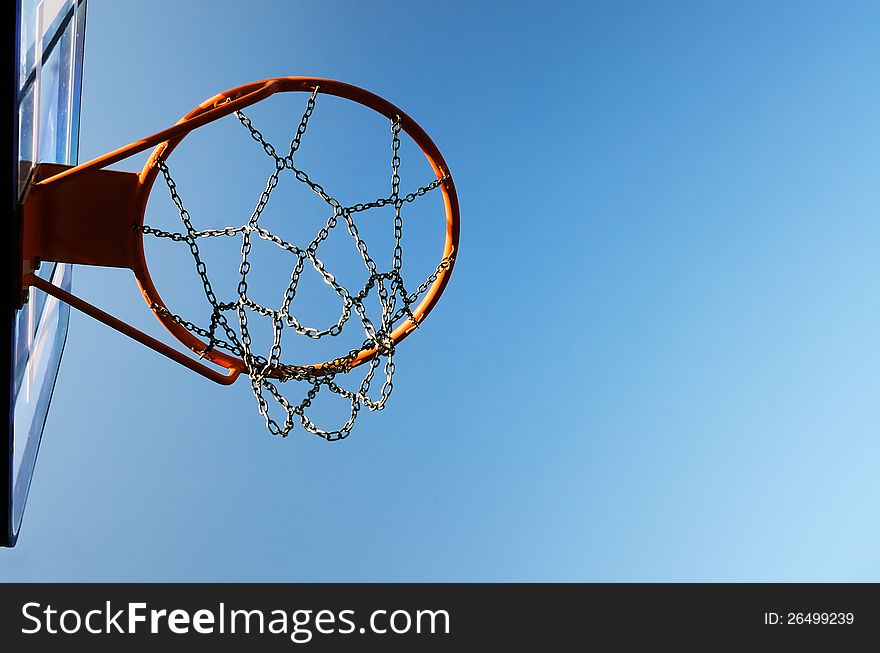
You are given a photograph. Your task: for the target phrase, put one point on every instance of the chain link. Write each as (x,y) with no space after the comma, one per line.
(388,286)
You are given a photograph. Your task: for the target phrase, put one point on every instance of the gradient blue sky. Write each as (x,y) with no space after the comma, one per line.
(657,359)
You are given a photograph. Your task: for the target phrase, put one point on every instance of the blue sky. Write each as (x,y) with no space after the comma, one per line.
(657,359)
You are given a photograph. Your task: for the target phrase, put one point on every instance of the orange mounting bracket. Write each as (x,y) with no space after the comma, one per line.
(89,215)
(131,332)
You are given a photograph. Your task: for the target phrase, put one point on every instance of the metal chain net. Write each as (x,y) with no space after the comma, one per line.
(388,286)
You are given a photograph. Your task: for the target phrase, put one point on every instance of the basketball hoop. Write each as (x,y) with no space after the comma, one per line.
(90,215)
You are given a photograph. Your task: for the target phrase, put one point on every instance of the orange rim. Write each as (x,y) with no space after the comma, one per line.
(264,89)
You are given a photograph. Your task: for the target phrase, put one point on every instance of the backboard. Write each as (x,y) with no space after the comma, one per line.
(47,57)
